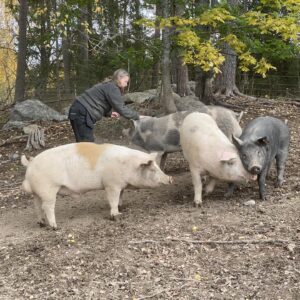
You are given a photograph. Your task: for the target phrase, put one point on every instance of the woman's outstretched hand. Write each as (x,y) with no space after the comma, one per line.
(114,115)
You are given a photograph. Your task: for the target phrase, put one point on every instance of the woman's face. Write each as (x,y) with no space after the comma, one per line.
(123,81)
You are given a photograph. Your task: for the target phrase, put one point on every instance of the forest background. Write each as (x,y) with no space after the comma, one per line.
(53,50)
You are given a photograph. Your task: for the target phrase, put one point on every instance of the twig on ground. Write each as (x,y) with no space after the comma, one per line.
(163,291)
(16,139)
(153,295)
(232,242)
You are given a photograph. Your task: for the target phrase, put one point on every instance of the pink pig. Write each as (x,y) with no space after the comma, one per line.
(208,150)
(83,167)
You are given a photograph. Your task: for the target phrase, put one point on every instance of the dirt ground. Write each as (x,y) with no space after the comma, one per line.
(162,247)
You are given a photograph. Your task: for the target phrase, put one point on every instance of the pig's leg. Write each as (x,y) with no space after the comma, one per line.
(120,205)
(39,211)
(280,164)
(231,188)
(48,199)
(261,183)
(210,186)
(113,197)
(196,178)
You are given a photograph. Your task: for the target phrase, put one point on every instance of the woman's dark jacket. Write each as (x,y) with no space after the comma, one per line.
(100,99)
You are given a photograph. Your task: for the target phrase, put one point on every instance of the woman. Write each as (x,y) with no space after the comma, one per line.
(97,102)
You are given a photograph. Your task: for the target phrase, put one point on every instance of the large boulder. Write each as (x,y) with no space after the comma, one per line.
(32,110)
(190,103)
(141,97)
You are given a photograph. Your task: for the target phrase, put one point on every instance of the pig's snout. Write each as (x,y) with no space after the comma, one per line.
(255,170)
(254,177)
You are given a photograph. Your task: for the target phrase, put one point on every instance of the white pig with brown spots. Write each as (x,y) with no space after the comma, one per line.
(83,167)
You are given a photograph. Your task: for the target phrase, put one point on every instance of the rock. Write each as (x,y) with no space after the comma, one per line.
(190,103)
(141,97)
(14,156)
(249,203)
(148,95)
(32,110)
(14,124)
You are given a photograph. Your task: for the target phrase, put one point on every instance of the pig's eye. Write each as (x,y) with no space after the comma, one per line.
(244,156)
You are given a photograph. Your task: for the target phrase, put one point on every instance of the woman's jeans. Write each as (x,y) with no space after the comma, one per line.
(81,123)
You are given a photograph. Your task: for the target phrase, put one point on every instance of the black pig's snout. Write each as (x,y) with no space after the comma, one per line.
(255,170)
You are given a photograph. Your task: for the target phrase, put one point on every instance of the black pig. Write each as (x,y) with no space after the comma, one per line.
(262,140)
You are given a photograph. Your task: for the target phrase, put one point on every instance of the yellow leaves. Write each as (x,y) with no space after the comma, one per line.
(254,18)
(275,4)
(188,39)
(71,239)
(194,229)
(98,10)
(166,23)
(146,22)
(215,16)
(286,26)
(197,277)
(262,67)
(8,58)
(288,5)
(40,11)
(246,59)
(235,43)
(181,22)
(292,5)
(204,55)
(85,26)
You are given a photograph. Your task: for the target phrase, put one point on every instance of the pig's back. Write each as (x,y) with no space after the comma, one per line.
(80,158)
(200,138)
(271,127)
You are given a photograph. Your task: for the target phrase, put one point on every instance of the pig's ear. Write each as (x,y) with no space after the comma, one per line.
(237,142)
(135,123)
(147,164)
(239,116)
(263,141)
(226,156)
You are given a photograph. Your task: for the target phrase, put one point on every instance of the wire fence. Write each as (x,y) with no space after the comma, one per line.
(274,86)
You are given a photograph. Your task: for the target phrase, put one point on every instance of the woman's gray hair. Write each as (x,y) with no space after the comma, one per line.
(118,74)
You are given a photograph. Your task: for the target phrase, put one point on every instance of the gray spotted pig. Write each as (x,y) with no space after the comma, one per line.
(162,134)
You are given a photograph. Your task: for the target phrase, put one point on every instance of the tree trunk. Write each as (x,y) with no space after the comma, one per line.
(167,97)
(182,75)
(182,78)
(22,46)
(67,62)
(156,60)
(41,83)
(225,81)
(204,80)
(83,57)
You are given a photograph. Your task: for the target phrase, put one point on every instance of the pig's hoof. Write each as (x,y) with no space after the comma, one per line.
(197,204)
(278,183)
(41,224)
(116,217)
(228,194)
